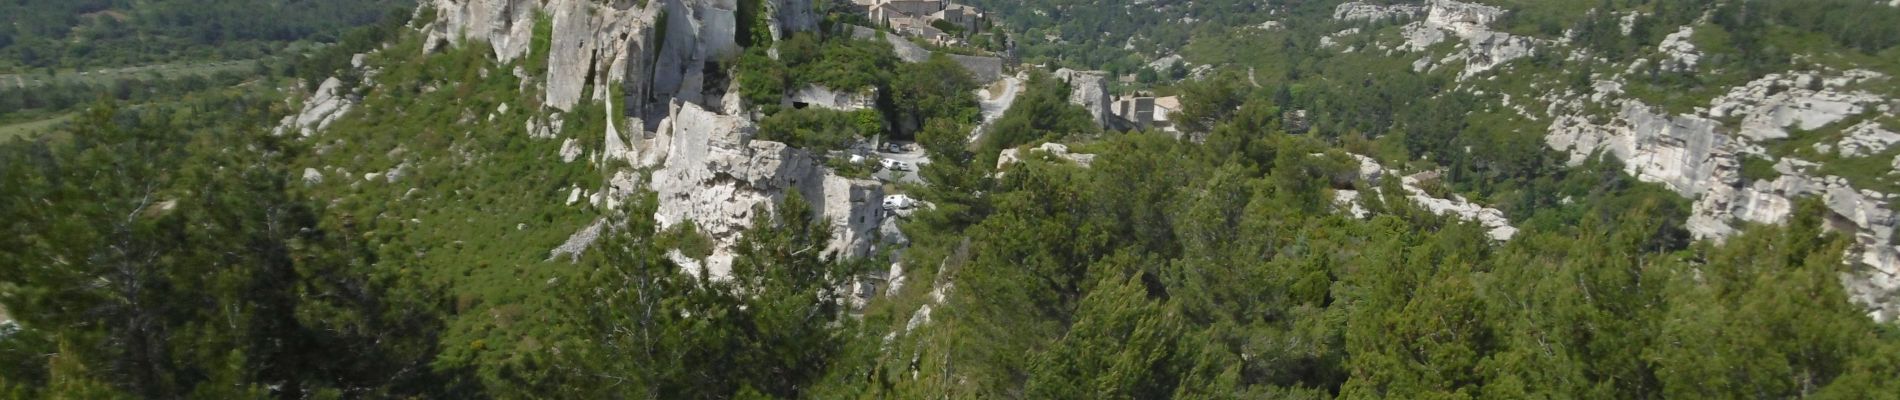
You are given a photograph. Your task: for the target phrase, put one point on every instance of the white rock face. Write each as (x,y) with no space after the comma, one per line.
(1682,53)
(710,171)
(1349,199)
(324,106)
(1867,138)
(578,242)
(1483,50)
(822,97)
(311,176)
(1164,63)
(613,43)
(1680,152)
(570,150)
(705,165)
(1498,226)
(793,16)
(1462,19)
(506,25)
(1089,89)
(1803,100)
(1363,11)
(1697,157)
(1334,39)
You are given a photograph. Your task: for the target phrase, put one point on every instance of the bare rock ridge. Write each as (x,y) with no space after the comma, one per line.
(1089,89)
(329,102)
(1483,48)
(706,168)
(1496,225)
(1697,154)
(1699,157)
(681,125)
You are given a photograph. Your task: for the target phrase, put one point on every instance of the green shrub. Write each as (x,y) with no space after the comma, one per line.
(820,129)
(1755,168)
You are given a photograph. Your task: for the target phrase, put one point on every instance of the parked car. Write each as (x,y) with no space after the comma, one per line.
(894,165)
(899,202)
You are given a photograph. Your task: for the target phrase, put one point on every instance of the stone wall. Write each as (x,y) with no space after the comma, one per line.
(984,69)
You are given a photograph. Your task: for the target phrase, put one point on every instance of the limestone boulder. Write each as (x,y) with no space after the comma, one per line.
(1682,54)
(328,103)
(1089,89)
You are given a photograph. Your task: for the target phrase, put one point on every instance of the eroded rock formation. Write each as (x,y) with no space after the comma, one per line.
(1700,157)
(669,116)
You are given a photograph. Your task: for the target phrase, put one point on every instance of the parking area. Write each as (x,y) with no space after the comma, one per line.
(908,158)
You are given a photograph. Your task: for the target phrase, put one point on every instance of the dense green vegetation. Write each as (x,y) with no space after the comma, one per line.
(908,94)
(1170,269)
(815,128)
(1041,113)
(85,34)
(51,93)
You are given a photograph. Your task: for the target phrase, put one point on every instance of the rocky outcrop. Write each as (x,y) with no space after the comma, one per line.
(792,16)
(710,170)
(614,44)
(1057,150)
(1333,40)
(1680,152)
(1801,100)
(1866,139)
(324,106)
(1463,19)
(1483,49)
(1164,63)
(505,25)
(1089,89)
(1364,11)
(570,150)
(1497,226)
(311,176)
(578,242)
(1699,157)
(669,118)
(1682,54)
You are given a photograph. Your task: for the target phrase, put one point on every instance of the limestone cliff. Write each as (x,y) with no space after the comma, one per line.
(1700,157)
(1697,154)
(708,169)
(670,118)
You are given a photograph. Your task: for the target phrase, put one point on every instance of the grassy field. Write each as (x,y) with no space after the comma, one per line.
(29,129)
(27,80)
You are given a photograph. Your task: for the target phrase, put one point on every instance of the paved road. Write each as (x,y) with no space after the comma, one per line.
(916,158)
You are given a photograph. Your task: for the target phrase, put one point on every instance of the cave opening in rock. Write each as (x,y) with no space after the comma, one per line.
(716,79)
